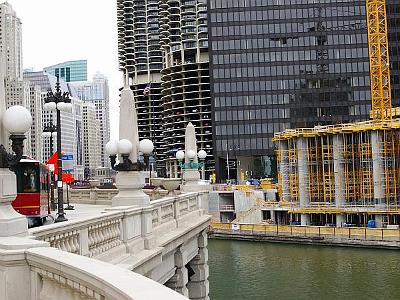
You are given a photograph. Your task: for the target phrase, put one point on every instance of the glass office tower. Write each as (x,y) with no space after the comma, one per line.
(284,64)
(75,70)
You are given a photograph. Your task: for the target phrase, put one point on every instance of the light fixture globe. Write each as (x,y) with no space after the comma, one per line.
(50,106)
(125,146)
(146,146)
(17,119)
(111,148)
(202,154)
(180,155)
(68,107)
(46,134)
(61,106)
(191,154)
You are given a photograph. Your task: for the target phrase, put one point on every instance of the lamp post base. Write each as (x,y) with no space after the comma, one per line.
(60,218)
(11,222)
(130,184)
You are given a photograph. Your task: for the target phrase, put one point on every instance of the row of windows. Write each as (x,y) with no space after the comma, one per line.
(289,56)
(252,128)
(246,143)
(268,3)
(251,114)
(289,71)
(334,39)
(287,84)
(308,12)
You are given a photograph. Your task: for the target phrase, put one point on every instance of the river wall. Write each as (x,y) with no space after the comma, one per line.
(315,235)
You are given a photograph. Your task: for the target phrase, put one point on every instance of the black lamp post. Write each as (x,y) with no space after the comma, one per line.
(50,131)
(59,101)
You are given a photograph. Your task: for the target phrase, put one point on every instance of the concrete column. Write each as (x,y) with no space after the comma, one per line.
(198,285)
(377,167)
(338,159)
(340,220)
(284,170)
(303,172)
(340,198)
(379,221)
(179,281)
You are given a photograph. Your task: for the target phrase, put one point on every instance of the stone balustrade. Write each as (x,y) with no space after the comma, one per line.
(105,236)
(89,237)
(33,270)
(93,196)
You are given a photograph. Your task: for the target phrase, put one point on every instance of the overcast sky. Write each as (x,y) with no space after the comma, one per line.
(54,31)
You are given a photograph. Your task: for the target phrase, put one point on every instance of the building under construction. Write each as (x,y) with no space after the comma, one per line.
(341,174)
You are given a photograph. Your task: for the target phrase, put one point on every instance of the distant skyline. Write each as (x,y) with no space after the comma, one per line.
(54,31)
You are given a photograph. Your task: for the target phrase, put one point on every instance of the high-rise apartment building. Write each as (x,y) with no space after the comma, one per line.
(10,42)
(97,92)
(163,45)
(91,141)
(285,64)
(13,90)
(74,70)
(141,57)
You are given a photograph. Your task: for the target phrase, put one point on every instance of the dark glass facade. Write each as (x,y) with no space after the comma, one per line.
(279,64)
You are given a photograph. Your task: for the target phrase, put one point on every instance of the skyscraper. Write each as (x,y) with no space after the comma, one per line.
(163,47)
(97,92)
(286,64)
(74,70)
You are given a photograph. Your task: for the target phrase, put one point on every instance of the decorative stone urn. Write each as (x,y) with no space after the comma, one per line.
(156,181)
(171,184)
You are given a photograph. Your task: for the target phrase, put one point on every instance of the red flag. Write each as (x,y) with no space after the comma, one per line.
(53,161)
(67,178)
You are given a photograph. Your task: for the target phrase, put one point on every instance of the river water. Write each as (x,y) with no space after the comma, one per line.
(255,270)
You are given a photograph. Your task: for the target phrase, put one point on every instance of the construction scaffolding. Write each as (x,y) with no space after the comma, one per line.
(349,165)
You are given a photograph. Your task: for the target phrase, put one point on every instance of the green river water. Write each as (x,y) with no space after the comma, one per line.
(255,270)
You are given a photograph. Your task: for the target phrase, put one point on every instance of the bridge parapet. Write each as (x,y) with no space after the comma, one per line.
(48,273)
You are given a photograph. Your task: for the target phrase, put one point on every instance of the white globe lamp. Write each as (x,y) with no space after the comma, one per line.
(125,146)
(111,148)
(191,154)
(17,119)
(50,106)
(146,146)
(180,155)
(202,154)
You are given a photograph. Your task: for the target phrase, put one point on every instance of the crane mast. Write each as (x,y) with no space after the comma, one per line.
(379,60)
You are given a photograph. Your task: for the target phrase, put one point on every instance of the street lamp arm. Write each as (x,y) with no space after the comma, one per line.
(8,160)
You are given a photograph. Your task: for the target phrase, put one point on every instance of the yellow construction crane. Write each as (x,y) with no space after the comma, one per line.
(379,60)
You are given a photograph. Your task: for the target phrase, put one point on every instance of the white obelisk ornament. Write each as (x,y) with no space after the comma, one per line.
(190,142)
(128,127)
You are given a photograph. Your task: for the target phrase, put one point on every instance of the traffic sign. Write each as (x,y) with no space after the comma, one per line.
(67,157)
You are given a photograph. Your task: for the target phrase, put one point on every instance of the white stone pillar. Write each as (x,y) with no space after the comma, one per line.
(302,169)
(179,281)
(11,222)
(377,167)
(198,285)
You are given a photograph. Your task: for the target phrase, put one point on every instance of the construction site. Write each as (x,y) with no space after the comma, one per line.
(347,174)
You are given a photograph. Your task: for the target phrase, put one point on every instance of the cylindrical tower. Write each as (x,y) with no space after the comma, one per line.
(185,76)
